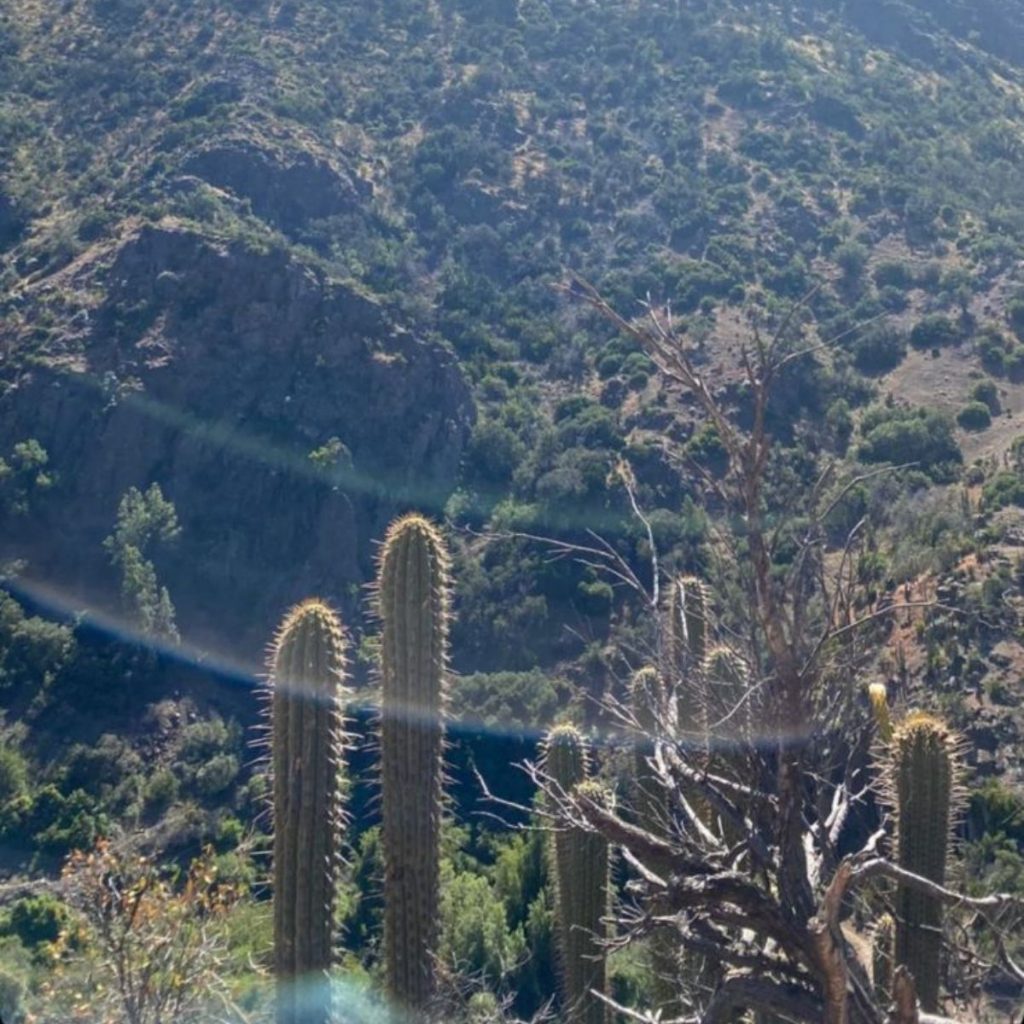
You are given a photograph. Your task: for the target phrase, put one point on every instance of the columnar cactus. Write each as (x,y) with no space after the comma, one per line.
(647,703)
(882,958)
(578,864)
(923,783)
(565,757)
(307,759)
(413,595)
(688,615)
(687,628)
(729,701)
(582,894)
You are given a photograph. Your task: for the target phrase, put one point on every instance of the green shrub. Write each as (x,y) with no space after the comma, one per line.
(893,274)
(934,331)
(37,919)
(98,768)
(707,450)
(879,349)
(161,788)
(217,774)
(475,937)
(509,700)
(13,773)
(494,451)
(851,258)
(12,997)
(902,434)
(974,416)
(985,391)
(1015,316)
(993,348)
(592,427)
(595,597)
(997,808)
(1005,488)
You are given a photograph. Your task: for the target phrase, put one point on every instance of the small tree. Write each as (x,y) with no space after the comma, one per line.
(144,519)
(156,938)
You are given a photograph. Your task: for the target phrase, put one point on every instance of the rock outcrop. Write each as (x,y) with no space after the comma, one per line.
(217,371)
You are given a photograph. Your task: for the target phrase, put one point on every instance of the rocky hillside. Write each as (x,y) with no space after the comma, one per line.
(273,271)
(286,256)
(292,262)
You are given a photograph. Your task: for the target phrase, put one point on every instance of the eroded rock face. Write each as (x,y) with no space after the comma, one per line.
(215,371)
(285,192)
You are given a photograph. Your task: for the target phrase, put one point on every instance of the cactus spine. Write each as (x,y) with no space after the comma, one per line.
(579,864)
(307,757)
(923,783)
(413,605)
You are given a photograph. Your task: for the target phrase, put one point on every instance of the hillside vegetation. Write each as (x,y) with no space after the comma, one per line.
(273,273)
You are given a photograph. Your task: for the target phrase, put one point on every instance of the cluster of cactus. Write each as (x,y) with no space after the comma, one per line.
(307,751)
(579,862)
(307,759)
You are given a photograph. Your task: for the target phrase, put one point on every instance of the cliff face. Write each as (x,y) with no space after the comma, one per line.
(216,371)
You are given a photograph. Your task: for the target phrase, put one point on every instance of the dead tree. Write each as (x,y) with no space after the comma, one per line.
(749,869)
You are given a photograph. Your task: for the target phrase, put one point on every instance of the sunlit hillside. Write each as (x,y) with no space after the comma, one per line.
(693,331)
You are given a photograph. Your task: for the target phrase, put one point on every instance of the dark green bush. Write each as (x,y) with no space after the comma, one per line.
(1005,488)
(934,331)
(974,416)
(37,919)
(879,349)
(893,274)
(13,773)
(920,435)
(986,392)
(217,774)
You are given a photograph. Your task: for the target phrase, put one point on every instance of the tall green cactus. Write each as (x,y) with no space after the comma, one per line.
(413,595)
(647,704)
(923,781)
(688,614)
(686,633)
(648,699)
(579,864)
(307,758)
(729,702)
(565,757)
